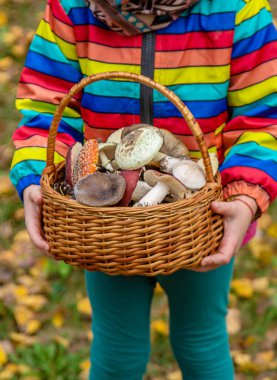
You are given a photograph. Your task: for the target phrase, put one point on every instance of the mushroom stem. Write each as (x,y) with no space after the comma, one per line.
(140,191)
(155,196)
(105,162)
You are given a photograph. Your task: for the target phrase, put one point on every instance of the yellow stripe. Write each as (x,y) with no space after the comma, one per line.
(251,9)
(263,139)
(197,154)
(219,129)
(33,153)
(68,49)
(252,93)
(34,105)
(201,74)
(93,67)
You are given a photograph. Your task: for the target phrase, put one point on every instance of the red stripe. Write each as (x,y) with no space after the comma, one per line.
(24,132)
(248,61)
(194,40)
(250,175)
(98,35)
(46,81)
(58,12)
(246,123)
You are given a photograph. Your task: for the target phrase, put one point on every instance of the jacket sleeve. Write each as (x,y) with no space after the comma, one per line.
(50,70)
(250,164)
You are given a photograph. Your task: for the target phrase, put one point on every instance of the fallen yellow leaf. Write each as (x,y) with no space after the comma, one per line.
(83,306)
(272,230)
(22,315)
(58,319)
(32,326)
(158,289)
(260,284)
(233,321)
(160,326)
(243,287)
(3,18)
(36,301)
(61,340)
(22,339)
(3,356)
(175,375)
(6,186)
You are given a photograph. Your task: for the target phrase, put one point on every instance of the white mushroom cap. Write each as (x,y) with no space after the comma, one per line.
(115,137)
(167,163)
(138,148)
(214,162)
(190,174)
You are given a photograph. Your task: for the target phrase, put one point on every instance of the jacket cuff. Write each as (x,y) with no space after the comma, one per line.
(25,182)
(245,188)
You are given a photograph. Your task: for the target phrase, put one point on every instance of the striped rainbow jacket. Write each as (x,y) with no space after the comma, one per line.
(219,57)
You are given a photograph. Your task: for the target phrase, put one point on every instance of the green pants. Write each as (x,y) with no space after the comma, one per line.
(121,324)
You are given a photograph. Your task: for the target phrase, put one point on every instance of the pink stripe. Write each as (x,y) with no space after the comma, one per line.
(25,132)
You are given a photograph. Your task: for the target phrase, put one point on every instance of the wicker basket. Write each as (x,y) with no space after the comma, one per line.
(144,241)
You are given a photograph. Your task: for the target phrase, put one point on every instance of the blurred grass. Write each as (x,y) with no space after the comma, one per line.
(64,321)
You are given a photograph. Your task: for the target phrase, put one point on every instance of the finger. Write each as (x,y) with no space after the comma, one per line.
(32,220)
(222,208)
(36,196)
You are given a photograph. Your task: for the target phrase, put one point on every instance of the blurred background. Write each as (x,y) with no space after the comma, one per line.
(42,338)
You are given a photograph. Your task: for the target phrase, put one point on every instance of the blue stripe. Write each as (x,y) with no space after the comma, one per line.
(254,150)
(24,182)
(84,16)
(53,68)
(257,41)
(265,107)
(42,122)
(200,23)
(266,166)
(201,109)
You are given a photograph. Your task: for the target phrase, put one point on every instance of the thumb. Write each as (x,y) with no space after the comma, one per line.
(36,196)
(221,208)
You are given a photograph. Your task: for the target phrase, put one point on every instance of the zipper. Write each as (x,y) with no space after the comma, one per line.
(147,69)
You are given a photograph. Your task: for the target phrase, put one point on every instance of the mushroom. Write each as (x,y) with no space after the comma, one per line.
(71,158)
(131,178)
(163,184)
(138,148)
(106,154)
(100,189)
(214,162)
(115,137)
(172,145)
(167,163)
(141,189)
(88,158)
(190,174)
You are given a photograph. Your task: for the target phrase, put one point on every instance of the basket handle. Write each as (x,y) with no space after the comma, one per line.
(189,118)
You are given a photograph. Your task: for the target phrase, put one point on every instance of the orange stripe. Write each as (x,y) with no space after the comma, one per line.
(61,29)
(232,137)
(32,91)
(198,57)
(41,141)
(109,54)
(257,75)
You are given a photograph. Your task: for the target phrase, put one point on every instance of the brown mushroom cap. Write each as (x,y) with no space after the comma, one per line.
(100,189)
(172,145)
(71,159)
(152,177)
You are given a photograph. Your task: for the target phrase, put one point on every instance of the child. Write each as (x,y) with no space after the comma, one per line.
(219,57)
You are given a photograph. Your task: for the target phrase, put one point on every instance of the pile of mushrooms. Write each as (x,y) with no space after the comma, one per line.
(140,165)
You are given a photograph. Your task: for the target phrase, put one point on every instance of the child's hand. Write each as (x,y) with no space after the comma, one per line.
(32,198)
(237,218)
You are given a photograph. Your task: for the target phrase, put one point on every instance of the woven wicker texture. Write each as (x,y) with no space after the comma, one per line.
(124,240)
